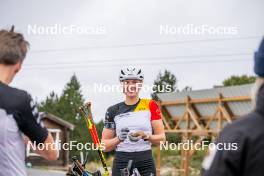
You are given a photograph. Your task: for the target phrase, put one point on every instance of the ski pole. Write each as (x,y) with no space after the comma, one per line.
(87,113)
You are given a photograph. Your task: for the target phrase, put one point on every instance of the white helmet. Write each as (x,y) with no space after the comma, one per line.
(131,73)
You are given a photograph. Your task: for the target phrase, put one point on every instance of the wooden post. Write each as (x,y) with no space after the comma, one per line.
(185,138)
(185,156)
(220,117)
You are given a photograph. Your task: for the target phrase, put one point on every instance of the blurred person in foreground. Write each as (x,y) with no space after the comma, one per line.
(19,116)
(247,132)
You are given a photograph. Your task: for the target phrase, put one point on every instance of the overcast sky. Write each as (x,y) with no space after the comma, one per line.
(130,34)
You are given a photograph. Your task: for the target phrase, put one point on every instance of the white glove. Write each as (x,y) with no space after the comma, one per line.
(123,134)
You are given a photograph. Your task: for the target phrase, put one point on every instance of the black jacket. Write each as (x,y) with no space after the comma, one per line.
(248,134)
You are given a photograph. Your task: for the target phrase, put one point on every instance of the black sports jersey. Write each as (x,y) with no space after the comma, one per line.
(136,117)
(18,115)
(120,108)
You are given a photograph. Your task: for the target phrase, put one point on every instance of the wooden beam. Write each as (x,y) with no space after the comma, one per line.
(209,121)
(179,121)
(226,115)
(163,118)
(206,100)
(165,122)
(185,157)
(239,98)
(176,118)
(194,118)
(200,132)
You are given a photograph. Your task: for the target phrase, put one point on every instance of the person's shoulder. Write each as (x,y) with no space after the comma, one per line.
(115,107)
(15,99)
(243,123)
(152,103)
(241,126)
(113,110)
(147,101)
(21,92)
(17,95)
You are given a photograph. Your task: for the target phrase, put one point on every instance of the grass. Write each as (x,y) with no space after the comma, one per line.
(171,162)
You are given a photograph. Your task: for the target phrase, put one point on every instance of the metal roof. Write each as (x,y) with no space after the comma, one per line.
(207,109)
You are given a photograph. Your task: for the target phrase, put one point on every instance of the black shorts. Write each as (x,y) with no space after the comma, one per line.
(143,161)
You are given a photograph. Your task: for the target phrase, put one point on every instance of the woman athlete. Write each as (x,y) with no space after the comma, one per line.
(132,126)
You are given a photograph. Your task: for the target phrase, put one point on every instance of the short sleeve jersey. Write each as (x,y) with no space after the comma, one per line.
(18,115)
(136,117)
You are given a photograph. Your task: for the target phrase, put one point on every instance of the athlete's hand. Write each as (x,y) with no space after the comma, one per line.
(134,137)
(123,134)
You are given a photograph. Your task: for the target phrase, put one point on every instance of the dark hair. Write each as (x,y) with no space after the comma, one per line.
(13,47)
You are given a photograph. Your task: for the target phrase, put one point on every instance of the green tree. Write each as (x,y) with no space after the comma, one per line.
(239,80)
(67,107)
(165,82)
(50,103)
